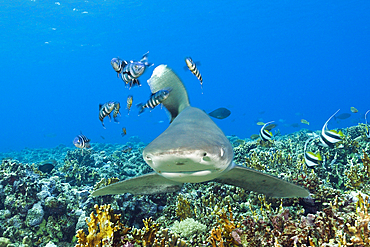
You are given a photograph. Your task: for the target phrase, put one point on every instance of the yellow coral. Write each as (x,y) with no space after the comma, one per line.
(146,235)
(227,226)
(102,228)
(183,208)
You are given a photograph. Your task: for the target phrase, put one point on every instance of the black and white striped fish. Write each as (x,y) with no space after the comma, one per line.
(105,110)
(264,133)
(81,141)
(132,70)
(311,159)
(329,137)
(155,99)
(193,68)
(367,126)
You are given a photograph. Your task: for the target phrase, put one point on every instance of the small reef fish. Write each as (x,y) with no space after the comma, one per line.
(311,159)
(132,70)
(254,136)
(343,116)
(264,133)
(193,68)
(155,99)
(354,110)
(295,125)
(127,149)
(81,141)
(367,126)
(123,131)
(329,137)
(129,101)
(220,113)
(47,166)
(270,127)
(260,123)
(105,110)
(304,121)
(116,112)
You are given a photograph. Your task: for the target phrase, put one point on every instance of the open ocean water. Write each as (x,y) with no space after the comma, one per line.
(263,60)
(291,62)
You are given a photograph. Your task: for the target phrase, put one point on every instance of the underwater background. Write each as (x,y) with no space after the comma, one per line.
(282,61)
(263,60)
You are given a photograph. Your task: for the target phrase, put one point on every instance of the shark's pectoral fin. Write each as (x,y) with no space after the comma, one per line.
(151,183)
(259,182)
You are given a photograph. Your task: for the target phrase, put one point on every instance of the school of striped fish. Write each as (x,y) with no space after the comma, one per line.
(129,72)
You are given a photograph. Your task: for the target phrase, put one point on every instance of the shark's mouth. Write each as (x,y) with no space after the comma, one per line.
(191,176)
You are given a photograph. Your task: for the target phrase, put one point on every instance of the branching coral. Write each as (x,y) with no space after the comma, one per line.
(104,228)
(358,173)
(227,232)
(183,208)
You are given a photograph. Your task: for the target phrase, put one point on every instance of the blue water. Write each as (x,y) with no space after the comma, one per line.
(264,60)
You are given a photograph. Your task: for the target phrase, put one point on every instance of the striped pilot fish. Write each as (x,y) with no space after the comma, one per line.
(155,99)
(264,133)
(81,141)
(193,68)
(132,70)
(105,110)
(311,159)
(367,126)
(329,138)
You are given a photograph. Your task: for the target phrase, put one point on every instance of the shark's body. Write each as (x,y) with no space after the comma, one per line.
(191,150)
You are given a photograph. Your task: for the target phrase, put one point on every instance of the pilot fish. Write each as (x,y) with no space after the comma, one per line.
(329,137)
(132,70)
(193,68)
(105,110)
(264,133)
(81,141)
(154,100)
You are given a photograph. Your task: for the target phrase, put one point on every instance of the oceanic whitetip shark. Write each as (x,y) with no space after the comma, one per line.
(192,150)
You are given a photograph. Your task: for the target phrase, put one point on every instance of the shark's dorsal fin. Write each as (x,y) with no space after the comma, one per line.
(163,77)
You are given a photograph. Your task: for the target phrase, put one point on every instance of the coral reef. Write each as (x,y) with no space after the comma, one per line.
(105,229)
(48,208)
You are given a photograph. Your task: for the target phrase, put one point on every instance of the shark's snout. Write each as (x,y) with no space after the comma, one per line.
(185,165)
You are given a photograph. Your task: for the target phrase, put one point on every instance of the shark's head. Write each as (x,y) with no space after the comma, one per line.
(192,149)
